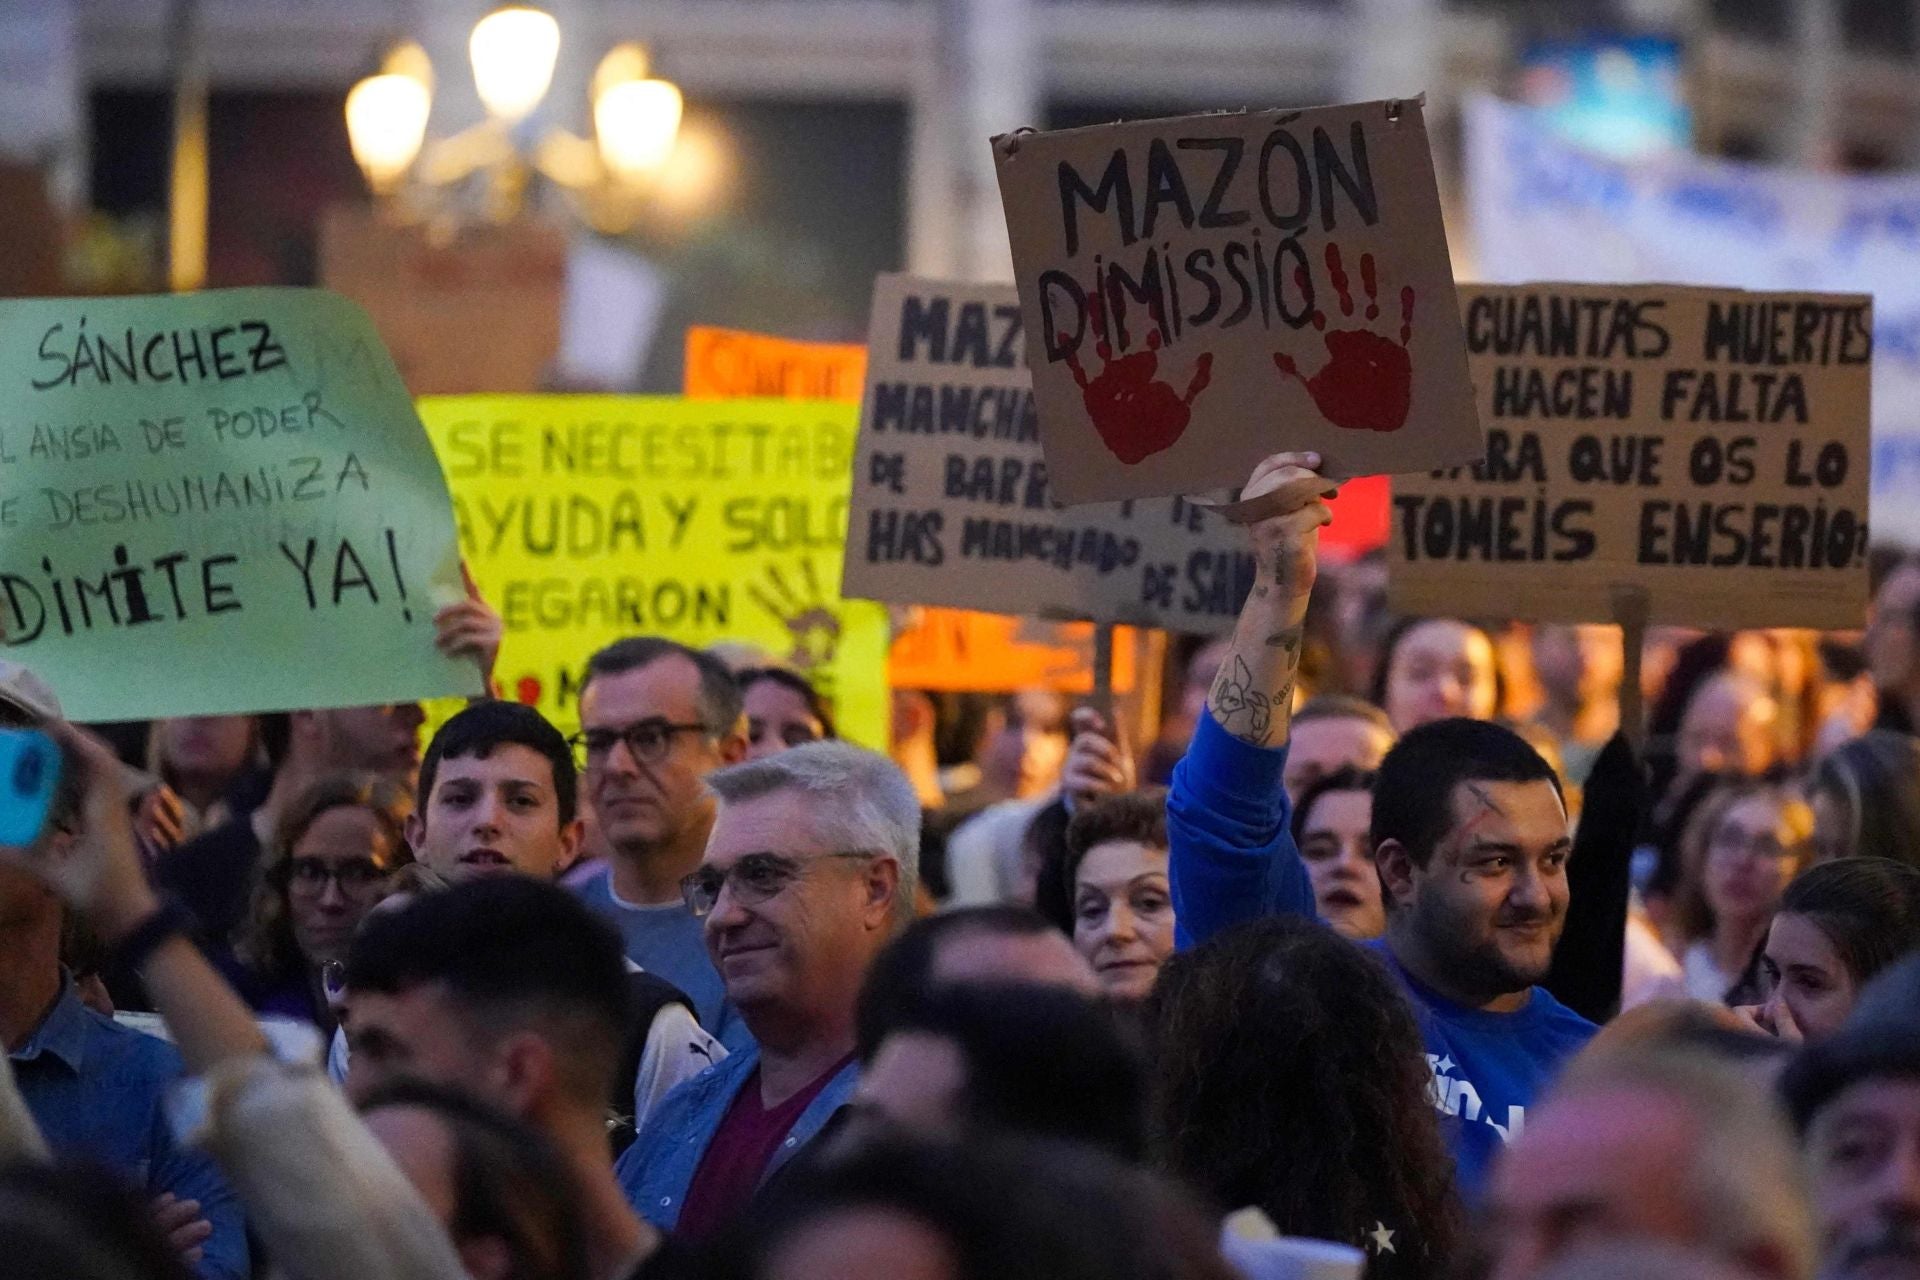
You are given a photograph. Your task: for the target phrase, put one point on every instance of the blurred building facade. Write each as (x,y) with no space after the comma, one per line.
(863,122)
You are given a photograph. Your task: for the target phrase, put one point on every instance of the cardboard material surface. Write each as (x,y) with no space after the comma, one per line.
(1709,447)
(479,314)
(1201,292)
(953,503)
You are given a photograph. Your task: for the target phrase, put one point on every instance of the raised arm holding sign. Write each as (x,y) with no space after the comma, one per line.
(1252,697)
(1469,833)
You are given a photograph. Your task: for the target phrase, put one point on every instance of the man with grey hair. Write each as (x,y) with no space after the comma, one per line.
(1663,1146)
(808,873)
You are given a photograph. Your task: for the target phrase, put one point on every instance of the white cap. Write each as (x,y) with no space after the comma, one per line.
(28,693)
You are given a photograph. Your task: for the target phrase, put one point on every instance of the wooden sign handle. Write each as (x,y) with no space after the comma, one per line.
(1630,610)
(1103,671)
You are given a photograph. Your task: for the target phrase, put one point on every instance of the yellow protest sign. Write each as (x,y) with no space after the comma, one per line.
(941,649)
(588,518)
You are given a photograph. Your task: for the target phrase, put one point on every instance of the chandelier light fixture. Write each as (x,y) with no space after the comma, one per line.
(608,177)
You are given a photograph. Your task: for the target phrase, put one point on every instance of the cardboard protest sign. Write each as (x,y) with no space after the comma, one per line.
(729,364)
(1707,447)
(1204,291)
(941,649)
(953,503)
(586,519)
(1533,192)
(218,503)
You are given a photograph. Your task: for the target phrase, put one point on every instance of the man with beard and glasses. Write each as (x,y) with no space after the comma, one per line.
(1469,833)
(1856,1099)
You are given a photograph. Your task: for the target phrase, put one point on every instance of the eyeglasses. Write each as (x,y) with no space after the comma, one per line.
(1732,842)
(754,878)
(648,740)
(355,877)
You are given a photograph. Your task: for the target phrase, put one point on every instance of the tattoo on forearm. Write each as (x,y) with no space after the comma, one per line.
(1241,709)
(1288,639)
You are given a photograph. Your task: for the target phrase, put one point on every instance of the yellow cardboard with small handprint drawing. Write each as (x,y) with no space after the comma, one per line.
(589,518)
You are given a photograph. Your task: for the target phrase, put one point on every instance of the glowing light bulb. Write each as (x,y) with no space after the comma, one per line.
(513,51)
(635,123)
(386,124)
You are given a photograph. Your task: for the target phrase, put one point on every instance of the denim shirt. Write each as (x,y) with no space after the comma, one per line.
(657,1169)
(96,1089)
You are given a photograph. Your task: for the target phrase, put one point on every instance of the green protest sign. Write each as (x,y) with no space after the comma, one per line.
(218,503)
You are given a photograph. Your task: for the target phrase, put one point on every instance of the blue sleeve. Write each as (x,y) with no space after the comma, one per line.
(191,1175)
(1232,857)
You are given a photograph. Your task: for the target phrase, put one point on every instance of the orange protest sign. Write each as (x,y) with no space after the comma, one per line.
(727,364)
(958,650)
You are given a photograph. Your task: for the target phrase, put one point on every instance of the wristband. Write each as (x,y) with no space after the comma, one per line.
(171,919)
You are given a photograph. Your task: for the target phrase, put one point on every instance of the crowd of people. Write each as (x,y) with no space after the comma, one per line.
(1392,955)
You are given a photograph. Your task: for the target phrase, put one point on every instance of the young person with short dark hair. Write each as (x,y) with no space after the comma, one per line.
(510,990)
(498,795)
(1469,832)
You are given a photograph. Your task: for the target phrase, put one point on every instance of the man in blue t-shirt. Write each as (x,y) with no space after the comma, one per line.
(655,719)
(1470,838)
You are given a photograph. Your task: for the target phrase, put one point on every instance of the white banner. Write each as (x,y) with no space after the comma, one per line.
(1544,209)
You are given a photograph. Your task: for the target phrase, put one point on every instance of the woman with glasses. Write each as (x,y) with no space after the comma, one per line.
(1753,838)
(334,859)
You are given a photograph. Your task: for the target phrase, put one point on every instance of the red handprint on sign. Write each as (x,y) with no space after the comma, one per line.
(1136,414)
(1367,381)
